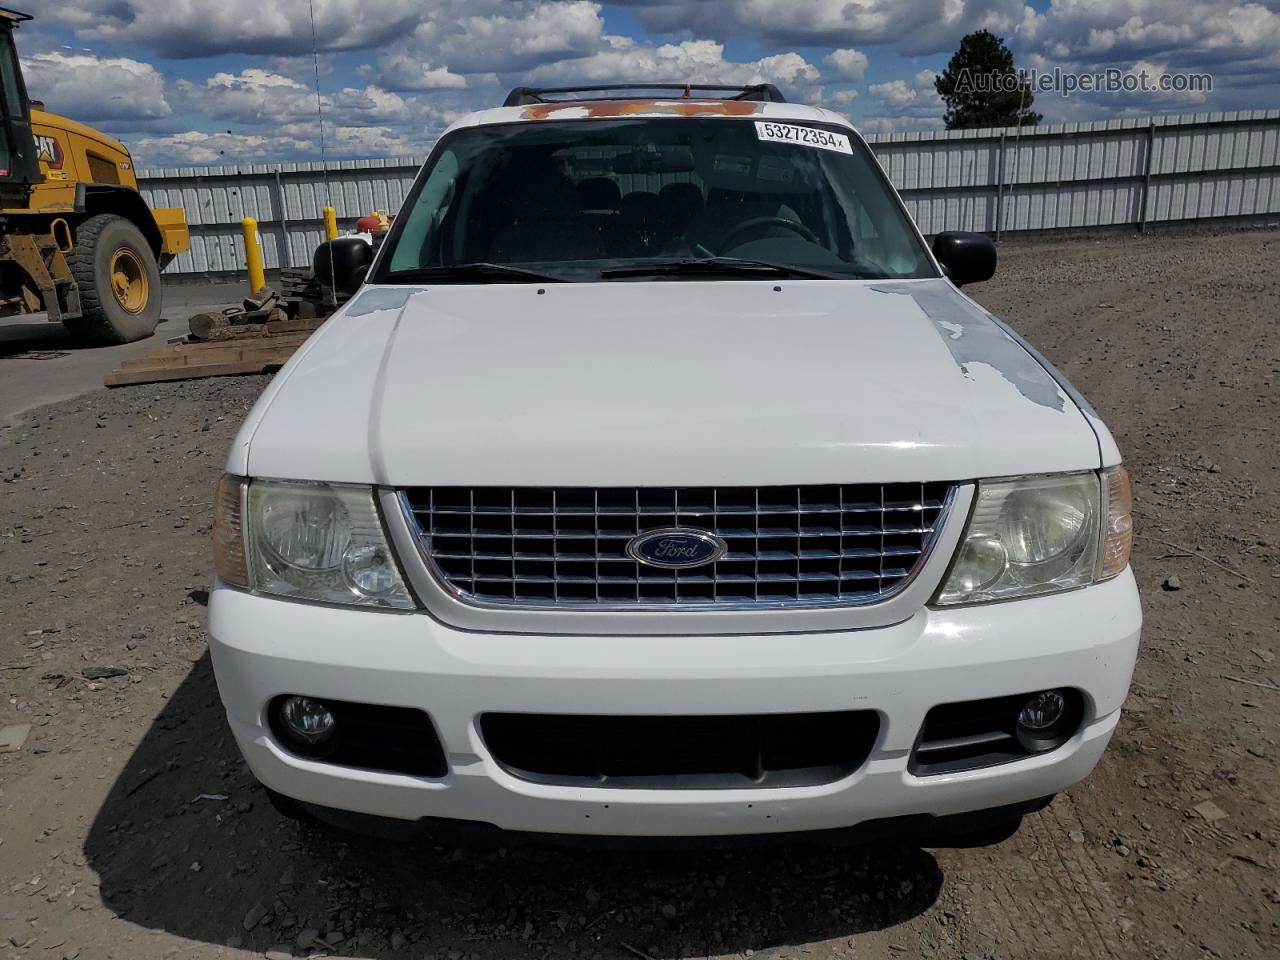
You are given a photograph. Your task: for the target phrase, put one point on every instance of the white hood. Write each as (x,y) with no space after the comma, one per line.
(663,384)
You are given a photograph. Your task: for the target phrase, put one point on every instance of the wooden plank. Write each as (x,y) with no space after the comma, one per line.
(204,346)
(253,330)
(230,353)
(206,357)
(122,377)
(246,348)
(208,346)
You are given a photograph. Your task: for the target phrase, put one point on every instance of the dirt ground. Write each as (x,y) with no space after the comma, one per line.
(130,828)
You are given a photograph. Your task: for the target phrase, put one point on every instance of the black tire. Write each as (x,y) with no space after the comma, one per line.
(104,319)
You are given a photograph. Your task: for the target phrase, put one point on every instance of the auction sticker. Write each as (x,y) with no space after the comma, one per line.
(803,136)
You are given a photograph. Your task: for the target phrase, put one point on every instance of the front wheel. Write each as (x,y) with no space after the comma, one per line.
(118,279)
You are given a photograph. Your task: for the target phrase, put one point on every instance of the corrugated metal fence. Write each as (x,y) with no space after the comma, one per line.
(1062,176)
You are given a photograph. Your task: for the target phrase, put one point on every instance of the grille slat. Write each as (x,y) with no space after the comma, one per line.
(566,547)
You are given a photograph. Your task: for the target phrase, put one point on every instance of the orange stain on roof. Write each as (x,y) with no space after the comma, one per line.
(628,108)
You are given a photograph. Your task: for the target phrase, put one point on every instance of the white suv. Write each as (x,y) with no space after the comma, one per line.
(657,480)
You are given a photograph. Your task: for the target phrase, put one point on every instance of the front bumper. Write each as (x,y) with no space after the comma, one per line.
(264,647)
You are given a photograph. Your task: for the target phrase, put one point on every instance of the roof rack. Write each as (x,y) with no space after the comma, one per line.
(767,92)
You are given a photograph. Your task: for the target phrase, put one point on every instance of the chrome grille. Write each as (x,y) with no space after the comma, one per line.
(566,547)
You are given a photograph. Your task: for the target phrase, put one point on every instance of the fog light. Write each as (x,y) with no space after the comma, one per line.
(1043,711)
(307,720)
(1047,720)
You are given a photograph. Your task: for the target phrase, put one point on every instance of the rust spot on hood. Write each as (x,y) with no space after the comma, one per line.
(629,108)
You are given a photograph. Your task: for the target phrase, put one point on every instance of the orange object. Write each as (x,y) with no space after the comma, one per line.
(376,222)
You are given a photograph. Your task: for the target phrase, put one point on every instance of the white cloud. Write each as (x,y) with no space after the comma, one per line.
(918,94)
(915,26)
(373,142)
(841,101)
(466,37)
(256,96)
(1232,37)
(275,117)
(821,19)
(1154,72)
(354,141)
(895,93)
(899,105)
(896,123)
(202,148)
(846,64)
(781,68)
(1238,44)
(695,61)
(191,28)
(370,104)
(1133,33)
(402,71)
(96,89)
(286,142)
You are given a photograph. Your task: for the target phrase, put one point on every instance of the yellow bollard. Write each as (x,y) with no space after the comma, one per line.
(330,223)
(253,255)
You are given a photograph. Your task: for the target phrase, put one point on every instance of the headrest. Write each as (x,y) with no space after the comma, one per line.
(599,193)
(639,202)
(547,197)
(681,198)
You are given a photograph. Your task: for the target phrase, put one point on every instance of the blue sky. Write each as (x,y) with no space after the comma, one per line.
(184,81)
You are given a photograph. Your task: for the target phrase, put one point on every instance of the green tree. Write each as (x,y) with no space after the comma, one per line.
(981,88)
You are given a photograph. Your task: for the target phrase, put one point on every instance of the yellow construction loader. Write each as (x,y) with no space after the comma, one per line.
(77,240)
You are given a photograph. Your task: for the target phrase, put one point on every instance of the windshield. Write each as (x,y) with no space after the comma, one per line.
(664,198)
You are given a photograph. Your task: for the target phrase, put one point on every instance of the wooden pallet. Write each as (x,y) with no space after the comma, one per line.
(258,353)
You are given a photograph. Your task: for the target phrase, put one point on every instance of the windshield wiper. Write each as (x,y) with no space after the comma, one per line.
(712,265)
(464,272)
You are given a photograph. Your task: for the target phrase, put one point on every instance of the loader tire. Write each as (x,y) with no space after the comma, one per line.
(118,279)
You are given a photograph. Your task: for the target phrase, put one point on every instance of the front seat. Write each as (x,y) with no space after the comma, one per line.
(635,234)
(546,224)
(600,198)
(678,205)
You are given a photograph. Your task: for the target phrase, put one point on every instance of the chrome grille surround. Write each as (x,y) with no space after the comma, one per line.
(565,548)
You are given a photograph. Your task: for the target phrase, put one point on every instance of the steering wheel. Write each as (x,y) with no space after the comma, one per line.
(797,228)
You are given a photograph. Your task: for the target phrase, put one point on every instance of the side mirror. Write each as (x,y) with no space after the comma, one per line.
(967,257)
(341,264)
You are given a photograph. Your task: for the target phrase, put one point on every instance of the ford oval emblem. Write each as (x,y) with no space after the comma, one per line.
(676,548)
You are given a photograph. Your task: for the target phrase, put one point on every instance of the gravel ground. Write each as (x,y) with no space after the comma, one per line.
(130,828)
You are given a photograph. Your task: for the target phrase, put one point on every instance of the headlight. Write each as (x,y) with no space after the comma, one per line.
(1041,535)
(308,541)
